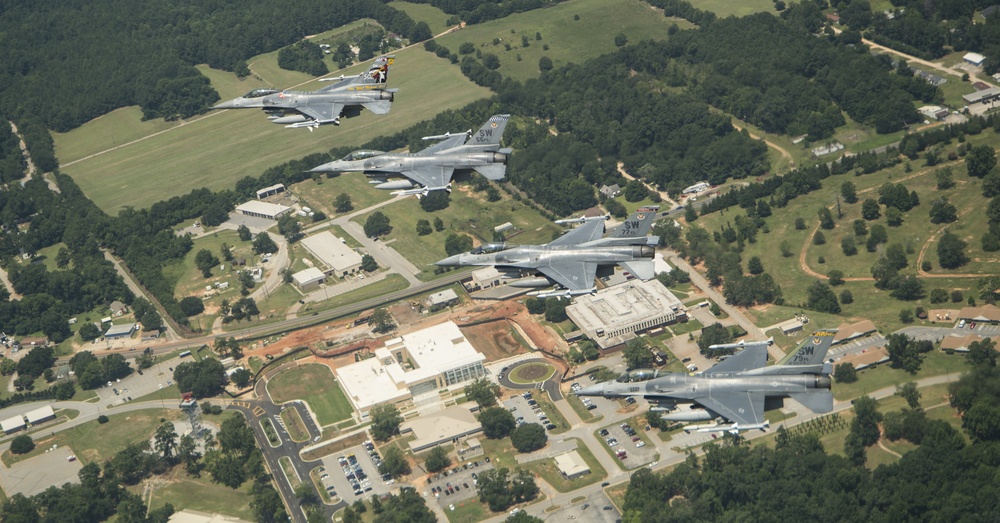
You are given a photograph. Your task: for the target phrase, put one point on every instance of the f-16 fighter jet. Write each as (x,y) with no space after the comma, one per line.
(734,390)
(310,109)
(432,168)
(571,260)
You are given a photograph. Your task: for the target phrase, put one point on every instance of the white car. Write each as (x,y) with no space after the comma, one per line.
(640,444)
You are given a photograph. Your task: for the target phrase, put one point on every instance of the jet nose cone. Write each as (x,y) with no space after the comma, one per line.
(593,390)
(325,168)
(231,104)
(450,261)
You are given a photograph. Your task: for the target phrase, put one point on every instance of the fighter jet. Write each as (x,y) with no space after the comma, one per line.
(310,109)
(571,260)
(735,389)
(432,167)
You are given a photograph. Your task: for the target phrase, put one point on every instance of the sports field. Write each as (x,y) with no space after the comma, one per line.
(569,39)
(221,147)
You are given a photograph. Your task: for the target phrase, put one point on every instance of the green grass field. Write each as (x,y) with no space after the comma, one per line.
(186,492)
(546,468)
(725,8)
(468,213)
(434,17)
(569,40)
(315,385)
(319,194)
(935,363)
(217,149)
(94,442)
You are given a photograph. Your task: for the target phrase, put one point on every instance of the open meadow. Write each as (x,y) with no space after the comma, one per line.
(725,8)
(573,31)
(216,149)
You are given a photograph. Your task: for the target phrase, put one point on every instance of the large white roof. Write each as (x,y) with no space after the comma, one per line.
(12,423)
(264,208)
(39,414)
(382,379)
(621,305)
(441,426)
(307,276)
(331,251)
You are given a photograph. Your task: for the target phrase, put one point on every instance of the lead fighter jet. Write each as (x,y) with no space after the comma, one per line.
(432,167)
(310,109)
(735,389)
(572,259)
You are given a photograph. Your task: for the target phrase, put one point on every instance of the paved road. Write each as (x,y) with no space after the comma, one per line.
(138,290)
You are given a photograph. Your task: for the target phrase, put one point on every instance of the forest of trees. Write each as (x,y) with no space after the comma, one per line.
(65,65)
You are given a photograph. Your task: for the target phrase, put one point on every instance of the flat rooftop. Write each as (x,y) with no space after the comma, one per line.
(331,251)
(263,208)
(623,305)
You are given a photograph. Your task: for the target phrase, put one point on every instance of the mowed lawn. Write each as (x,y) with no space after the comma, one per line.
(436,19)
(187,492)
(725,8)
(467,213)
(315,385)
(319,194)
(221,147)
(95,442)
(569,39)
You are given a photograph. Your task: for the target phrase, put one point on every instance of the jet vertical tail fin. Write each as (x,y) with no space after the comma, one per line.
(812,351)
(491,132)
(637,225)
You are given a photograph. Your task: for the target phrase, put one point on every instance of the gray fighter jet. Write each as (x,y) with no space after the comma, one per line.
(310,109)
(432,167)
(735,389)
(572,259)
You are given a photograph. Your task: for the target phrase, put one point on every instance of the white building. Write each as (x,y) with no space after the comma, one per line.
(333,253)
(571,465)
(12,424)
(442,299)
(486,277)
(611,316)
(308,279)
(258,209)
(974,59)
(40,415)
(424,361)
(123,330)
(446,426)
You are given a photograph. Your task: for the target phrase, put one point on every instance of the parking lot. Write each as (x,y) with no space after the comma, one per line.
(140,382)
(596,405)
(354,474)
(457,483)
(526,410)
(625,443)
(596,508)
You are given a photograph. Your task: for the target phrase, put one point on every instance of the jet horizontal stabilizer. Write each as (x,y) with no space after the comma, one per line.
(642,269)
(446,135)
(493,171)
(818,401)
(378,107)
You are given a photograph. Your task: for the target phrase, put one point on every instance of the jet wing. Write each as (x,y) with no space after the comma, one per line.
(745,408)
(752,357)
(430,176)
(447,143)
(589,231)
(321,112)
(574,275)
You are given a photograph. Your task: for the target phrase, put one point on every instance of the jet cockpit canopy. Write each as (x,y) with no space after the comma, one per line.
(362,155)
(489,248)
(633,376)
(257,93)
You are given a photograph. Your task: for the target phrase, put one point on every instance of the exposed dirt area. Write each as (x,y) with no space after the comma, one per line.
(494,340)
